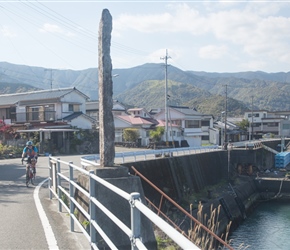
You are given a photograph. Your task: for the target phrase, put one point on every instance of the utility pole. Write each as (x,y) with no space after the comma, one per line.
(166,97)
(252,129)
(226,113)
(50,77)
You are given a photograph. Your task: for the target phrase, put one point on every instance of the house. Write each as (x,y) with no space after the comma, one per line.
(137,118)
(233,131)
(195,128)
(43,106)
(92,109)
(266,122)
(51,112)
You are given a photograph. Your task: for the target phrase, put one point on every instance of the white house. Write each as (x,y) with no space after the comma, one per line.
(196,128)
(51,112)
(139,119)
(263,122)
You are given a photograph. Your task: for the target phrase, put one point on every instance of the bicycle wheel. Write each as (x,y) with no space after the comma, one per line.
(31,176)
(27,179)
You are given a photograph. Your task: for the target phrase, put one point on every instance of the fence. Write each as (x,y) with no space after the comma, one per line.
(152,154)
(60,184)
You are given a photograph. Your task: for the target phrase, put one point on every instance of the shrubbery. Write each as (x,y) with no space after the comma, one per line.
(10,151)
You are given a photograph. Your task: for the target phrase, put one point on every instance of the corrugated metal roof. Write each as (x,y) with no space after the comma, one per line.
(11,99)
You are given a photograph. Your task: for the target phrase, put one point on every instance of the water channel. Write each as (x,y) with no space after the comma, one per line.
(267,228)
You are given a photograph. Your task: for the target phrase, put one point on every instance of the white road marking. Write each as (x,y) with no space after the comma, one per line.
(51,241)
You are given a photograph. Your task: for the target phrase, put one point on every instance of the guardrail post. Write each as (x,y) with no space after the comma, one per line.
(59,193)
(92,208)
(50,176)
(135,220)
(54,177)
(123,158)
(71,194)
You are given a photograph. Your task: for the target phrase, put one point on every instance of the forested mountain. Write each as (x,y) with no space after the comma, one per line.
(143,86)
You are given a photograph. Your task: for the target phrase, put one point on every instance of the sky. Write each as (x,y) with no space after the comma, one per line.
(210,36)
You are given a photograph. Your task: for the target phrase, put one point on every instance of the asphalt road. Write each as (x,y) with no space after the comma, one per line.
(28,218)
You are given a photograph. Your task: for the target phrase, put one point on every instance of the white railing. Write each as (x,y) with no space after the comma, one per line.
(60,184)
(143,155)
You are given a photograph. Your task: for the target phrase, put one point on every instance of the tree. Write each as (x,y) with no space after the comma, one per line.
(157,134)
(131,134)
(244,124)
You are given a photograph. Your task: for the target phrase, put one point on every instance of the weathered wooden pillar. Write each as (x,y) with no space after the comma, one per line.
(106,119)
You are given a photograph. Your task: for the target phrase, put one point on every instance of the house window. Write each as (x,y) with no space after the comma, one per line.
(172,133)
(73,107)
(254,115)
(205,123)
(272,124)
(177,122)
(192,124)
(286,126)
(205,138)
(49,112)
(35,113)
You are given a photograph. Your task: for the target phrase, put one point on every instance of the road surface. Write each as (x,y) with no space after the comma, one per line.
(28,218)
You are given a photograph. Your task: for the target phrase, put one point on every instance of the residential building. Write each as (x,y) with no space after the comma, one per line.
(233,131)
(92,109)
(51,112)
(264,122)
(137,118)
(196,128)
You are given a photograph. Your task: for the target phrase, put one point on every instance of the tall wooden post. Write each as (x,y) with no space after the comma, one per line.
(106,119)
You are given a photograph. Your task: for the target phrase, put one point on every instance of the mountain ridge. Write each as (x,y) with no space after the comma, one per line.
(268,91)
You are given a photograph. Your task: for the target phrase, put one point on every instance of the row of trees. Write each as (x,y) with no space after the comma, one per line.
(132,135)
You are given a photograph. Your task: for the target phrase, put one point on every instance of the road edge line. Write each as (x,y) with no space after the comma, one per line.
(49,235)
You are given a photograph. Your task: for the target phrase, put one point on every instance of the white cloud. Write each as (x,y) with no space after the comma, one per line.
(179,18)
(52,28)
(212,52)
(6,32)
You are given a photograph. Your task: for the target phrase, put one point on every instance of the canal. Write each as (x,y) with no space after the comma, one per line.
(267,228)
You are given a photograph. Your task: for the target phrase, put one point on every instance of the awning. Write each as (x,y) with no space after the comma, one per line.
(47,130)
(196,134)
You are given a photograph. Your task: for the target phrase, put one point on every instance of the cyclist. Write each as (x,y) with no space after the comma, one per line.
(31,152)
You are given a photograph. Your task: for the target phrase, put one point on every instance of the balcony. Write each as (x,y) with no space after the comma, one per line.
(35,116)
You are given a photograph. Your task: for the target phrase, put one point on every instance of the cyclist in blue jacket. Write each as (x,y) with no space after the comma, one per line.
(30,152)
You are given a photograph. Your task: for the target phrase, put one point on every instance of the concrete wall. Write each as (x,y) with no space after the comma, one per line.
(117,205)
(179,176)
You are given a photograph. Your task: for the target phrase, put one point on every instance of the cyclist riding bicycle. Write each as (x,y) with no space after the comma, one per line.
(30,152)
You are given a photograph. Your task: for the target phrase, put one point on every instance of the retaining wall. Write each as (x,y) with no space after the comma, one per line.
(182,175)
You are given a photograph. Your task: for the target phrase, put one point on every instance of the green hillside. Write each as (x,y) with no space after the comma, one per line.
(143,86)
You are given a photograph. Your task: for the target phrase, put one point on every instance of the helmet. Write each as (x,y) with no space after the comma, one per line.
(29,143)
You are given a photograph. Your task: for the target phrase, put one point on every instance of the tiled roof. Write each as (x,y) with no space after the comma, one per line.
(11,99)
(75,115)
(186,110)
(161,123)
(137,120)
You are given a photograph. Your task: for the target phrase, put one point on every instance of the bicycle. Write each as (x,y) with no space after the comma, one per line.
(30,170)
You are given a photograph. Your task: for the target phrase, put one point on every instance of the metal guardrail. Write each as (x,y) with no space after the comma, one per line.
(164,197)
(141,155)
(58,188)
